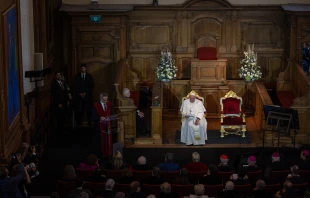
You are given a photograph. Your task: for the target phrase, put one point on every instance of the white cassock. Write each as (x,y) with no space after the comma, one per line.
(191,133)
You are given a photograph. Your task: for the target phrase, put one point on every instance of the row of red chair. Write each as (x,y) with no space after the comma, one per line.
(63,188)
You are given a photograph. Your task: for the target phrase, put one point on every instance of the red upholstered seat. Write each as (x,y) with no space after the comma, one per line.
(206,53)
(286,98)
(231,115)
(232,121)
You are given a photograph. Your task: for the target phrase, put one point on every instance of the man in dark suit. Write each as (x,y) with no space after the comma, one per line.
(305,160)
(83,87)
(259,190)
(155,178)
(60,99)
(229,191)
(108,192)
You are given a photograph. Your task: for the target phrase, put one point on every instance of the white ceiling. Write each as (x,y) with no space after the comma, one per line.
(173,2)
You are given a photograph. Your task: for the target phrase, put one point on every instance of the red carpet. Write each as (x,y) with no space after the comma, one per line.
(286,98)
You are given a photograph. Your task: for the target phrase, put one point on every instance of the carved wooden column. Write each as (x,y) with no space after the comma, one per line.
(123,30)
(157,124)
(234,19)
(293,36)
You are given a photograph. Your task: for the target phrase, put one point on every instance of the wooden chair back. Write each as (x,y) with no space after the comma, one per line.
(244,189)
(94,187)
(213,190)
(63,188)
(184,190)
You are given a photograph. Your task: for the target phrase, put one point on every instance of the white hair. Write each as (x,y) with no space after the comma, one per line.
(141,160)
(224,161)
(109,185)
(229,185)
(275,159)
(102,95)
(151,196)
(195,157)
(125,90)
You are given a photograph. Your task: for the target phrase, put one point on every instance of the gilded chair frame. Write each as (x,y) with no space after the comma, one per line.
(238,129)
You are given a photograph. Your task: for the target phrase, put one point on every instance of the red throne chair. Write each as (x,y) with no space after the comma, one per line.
(207,53)
(232,118)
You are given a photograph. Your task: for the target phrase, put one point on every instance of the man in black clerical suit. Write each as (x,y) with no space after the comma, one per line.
(60,99)
(83,88)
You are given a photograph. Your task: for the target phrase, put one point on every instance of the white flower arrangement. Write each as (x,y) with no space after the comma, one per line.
(249,70)
(166,69)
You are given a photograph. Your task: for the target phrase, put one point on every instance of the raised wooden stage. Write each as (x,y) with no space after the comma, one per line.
(170,125)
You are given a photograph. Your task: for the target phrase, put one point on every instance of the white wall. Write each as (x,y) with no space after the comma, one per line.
(27,38)
(171,2)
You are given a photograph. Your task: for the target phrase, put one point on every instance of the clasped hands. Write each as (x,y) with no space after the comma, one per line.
(82,95)
(61,105)
(102,119)
(140,114)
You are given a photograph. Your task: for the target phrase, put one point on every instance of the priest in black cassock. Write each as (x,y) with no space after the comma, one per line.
(83,88)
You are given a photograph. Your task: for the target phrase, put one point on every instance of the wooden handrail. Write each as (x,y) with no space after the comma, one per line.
(261,98)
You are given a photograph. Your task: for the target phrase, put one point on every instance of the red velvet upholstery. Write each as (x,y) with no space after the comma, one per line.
(286,98)
(135,96)
(231,106)
(233,121)
(206,53)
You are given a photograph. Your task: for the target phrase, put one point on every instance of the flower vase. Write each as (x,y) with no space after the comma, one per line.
(165,80)
(248,78)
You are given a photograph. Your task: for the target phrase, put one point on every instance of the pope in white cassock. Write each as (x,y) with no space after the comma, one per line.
(194,125)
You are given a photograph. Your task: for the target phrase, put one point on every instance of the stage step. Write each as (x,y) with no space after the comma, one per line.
(144,140)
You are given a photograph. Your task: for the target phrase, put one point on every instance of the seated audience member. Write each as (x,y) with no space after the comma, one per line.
(151,196)
(277,165)
(229,191)
(196,165)
(98,176)
(69,174)
(108,192)
(294,177)
(252,167)
(141,165)
(269,180)
(165,191)
(135,191)
(259,190)
(199,192)
(288,191)
(307,194)
(116,162)
(126,177)
(169,165)
(212,178)
(183,179)
(83,195)
(305,161)
(155,178)
(223,166)
(241,178)
(91,164)
(79,188)
(120,195)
